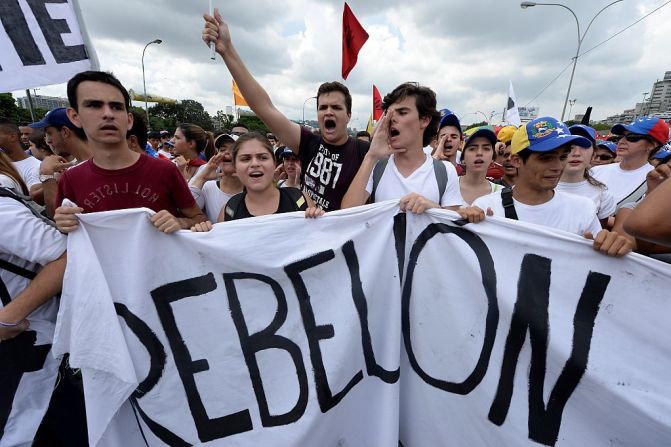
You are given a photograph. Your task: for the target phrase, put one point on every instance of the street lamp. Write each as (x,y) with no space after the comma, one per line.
(525,5)
(304,103)
(571,103)
(144,83)
(643,104)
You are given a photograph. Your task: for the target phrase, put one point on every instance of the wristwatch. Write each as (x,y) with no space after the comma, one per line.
(45,177)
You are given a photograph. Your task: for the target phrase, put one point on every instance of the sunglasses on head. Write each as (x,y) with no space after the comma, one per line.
(604,157)
(634,137)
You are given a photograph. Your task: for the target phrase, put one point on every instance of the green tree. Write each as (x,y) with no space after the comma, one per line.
(10,109)
(253,123)
(222,120)
(168,116)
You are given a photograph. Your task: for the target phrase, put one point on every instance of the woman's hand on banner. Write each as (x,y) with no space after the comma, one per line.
(610,243)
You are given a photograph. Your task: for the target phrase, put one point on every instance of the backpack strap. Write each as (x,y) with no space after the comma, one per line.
(297,198)
(635,195)
(38,210)
(233,204)
(508,204)
(440,171)
(378,170)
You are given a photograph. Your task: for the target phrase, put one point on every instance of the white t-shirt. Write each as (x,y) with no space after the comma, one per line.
(567,212)
(9,183)
(29,169)
(621,183)
(29,243)
(602,198)
(211,199)
(422,181)
(493,188)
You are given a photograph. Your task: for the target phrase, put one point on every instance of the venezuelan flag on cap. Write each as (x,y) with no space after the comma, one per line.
(544,135)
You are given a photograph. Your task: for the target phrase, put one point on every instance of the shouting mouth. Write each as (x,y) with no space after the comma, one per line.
(393,132)
(329,124)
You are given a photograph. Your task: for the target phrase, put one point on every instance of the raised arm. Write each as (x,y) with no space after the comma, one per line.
(216,30)
(651,220)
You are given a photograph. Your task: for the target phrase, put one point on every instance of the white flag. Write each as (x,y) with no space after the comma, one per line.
(42,45)
(512,114)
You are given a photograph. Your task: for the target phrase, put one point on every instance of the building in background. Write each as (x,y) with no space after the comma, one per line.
(43,102)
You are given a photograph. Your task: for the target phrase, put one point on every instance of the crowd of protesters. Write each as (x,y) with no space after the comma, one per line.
(97,156)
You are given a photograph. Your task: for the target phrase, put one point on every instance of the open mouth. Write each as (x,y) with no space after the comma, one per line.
(393,132)
(478,162)
(108,127)
(329,124)
(256,174)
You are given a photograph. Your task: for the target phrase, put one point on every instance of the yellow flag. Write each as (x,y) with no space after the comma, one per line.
(369,128)
(238,99)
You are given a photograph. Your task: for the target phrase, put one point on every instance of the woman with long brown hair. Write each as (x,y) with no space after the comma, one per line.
(190,142)
(577,179)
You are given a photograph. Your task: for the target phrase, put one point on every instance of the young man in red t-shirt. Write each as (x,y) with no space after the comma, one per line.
(117,177)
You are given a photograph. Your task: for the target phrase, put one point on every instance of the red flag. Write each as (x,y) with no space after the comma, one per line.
(377,104)
(353,38)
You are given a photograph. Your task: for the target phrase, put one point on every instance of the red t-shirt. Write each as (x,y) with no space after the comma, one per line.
(149,183)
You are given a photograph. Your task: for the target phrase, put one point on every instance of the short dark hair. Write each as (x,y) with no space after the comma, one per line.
(139,129)
(9,125)
(37,138)
(153,134)
(95,76)
(335,86)
(425,100)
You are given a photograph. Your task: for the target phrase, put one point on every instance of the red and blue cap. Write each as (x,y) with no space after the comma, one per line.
(545,134)
(583,131)
(652,126)
(56,117)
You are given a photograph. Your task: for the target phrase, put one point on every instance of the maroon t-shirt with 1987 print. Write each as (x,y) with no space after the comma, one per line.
(149,183)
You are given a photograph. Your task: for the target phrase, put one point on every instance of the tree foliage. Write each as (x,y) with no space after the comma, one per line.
(253,123)
(169,116)
(10,109)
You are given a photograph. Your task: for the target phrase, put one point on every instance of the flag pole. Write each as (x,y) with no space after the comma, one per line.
(211,43)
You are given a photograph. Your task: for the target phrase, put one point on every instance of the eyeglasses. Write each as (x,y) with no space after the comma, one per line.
(603,157)
(634,137)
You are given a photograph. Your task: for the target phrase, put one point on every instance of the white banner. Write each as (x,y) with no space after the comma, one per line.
(42,43)
(284,331)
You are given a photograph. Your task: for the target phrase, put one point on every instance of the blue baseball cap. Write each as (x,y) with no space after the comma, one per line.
(608,145)
(647,125)
(664,152)
(286,152)
(583,131)
(447,118)
(56,117)
(545,134)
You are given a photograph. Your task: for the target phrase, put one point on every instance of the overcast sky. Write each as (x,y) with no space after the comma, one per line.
(466,50)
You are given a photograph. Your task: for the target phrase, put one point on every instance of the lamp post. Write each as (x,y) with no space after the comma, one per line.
(571,103)
(144,83)
(484,115)
(525,5)
(304,103)
(643,104)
